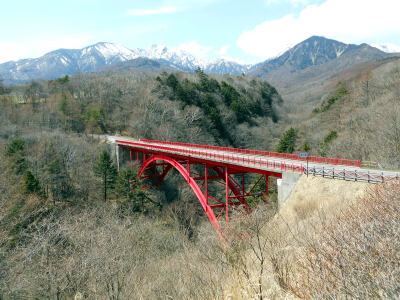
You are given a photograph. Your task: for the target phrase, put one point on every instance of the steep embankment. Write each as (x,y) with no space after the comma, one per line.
(315,193)
(331,239)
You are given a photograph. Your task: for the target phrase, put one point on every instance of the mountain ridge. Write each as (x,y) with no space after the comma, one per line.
(62,62)
(311,52)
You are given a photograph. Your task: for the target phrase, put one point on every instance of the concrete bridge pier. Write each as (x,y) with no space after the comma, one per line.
(286,185)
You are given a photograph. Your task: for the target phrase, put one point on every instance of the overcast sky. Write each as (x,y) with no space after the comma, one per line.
(246,30)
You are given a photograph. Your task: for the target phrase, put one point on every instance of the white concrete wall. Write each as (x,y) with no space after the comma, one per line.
(286,185)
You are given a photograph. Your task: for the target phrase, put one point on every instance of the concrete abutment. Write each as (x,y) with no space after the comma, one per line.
(286,185)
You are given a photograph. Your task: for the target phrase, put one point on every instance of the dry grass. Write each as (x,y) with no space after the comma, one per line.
(352,253)
(346,248)
(315,193)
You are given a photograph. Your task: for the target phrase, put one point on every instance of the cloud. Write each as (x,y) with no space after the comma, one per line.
(222,51)
(11,51)
(353,21)
(387,47)
(158,11)
(172,6)
(299,2)
(43,44)
(138,30)
(191,3)
(196,49)
(292,2)
(236,60)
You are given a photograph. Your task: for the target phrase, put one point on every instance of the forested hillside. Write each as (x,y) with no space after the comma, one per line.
(187,107)
(71,226)
(358,116)
(62,232)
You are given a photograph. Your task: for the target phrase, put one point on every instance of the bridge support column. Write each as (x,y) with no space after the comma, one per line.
(130,158)
(266,189)
(117,155)
(226,195)
(286,185)
(206,181)
(266,185)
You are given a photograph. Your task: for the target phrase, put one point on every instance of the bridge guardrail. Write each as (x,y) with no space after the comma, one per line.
(317,159)
(271,164)
(353,175)
(335,173)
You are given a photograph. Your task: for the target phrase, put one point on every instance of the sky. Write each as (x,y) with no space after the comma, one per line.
(246,31)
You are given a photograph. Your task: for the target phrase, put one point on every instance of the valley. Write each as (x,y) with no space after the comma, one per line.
(73,227)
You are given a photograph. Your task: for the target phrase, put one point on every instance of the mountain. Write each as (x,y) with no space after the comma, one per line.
(305,73)
(141,64)
(302,61)
(105,55)
(313,51)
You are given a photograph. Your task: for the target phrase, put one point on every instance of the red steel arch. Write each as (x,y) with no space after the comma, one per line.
(189,179)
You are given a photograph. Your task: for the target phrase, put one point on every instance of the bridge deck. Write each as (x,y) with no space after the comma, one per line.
(257,162)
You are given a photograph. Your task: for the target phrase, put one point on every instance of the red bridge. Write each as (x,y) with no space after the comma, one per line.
(201,164)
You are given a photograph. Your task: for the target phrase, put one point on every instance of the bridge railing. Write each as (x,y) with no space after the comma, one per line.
(241,160)
(317,159)
(353,175)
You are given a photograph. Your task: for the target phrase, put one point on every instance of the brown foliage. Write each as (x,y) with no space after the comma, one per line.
(353,253)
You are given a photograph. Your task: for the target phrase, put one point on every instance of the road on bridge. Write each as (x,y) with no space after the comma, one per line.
(261,162)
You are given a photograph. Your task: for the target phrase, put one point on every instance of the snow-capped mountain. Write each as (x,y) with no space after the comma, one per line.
(179,58)
(312,52)
(92,58)
(316,51)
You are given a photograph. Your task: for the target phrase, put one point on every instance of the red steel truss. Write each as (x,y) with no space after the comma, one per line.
(201,165)
(198,173)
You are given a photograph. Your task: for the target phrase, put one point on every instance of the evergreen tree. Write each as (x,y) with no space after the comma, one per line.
(63,104)
(2,89)
(229,93)
(58,179)
(172,82)
(105,169)
(16,145)
(133,197)
(16,152)
(31,183)
(326,143)
(63,80)
(306,147)
(288,141)
(126,184)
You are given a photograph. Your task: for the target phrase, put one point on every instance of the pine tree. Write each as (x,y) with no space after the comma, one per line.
(306,147)
(58,179)
(2,89)
(288,141)
(132,196)
(31,183)
(105,169)
(325,144)
(126,184)
(16,145)
(16,152)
